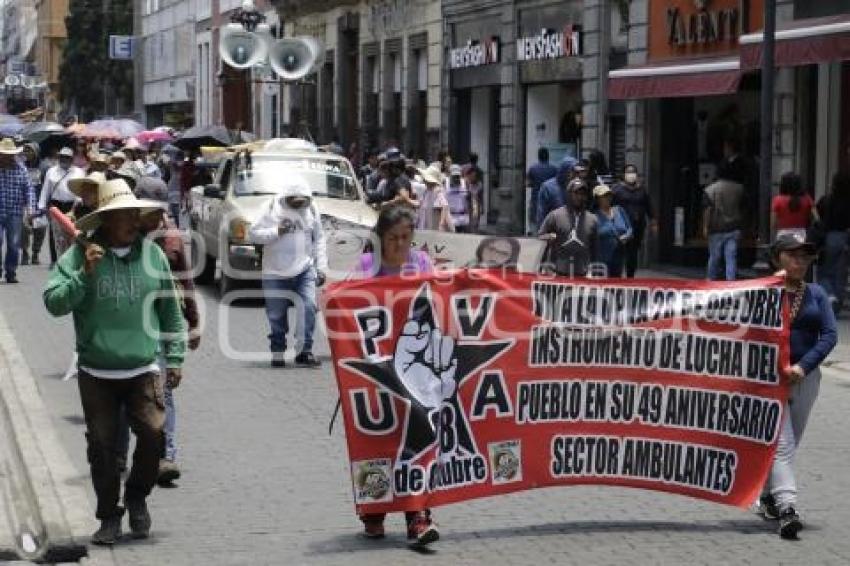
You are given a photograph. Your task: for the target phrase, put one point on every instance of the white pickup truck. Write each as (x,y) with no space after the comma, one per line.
(246,181)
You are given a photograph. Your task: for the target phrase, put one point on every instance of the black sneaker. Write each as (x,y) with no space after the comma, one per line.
(768,508)
(789,524)
(109,531)
(277,360)
(140,519)
(12,279)
(168,472)
(35,261)
(307,360)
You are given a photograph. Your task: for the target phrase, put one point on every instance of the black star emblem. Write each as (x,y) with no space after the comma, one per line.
(421,421)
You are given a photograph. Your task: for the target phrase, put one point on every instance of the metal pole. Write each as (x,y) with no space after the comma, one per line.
(767,90)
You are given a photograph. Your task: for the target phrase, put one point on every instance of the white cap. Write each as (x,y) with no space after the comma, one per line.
(66,152)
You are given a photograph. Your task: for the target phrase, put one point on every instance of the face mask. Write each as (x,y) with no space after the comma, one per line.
(631,178)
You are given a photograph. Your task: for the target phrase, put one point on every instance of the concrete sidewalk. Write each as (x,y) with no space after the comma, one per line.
(46,516)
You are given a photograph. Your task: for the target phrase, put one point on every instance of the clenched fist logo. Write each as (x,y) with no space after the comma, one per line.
(426,363)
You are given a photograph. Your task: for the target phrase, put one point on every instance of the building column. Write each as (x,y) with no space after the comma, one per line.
(636,130)
(594,75)
(509,195)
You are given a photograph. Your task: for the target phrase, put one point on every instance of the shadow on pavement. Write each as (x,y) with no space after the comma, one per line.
(355,543)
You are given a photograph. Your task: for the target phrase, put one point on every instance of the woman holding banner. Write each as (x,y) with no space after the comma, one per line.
(813,336)
(393,238)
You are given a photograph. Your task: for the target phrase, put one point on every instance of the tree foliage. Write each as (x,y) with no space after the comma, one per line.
(86,68)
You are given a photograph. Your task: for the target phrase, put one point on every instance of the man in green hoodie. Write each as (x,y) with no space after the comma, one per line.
(121,293)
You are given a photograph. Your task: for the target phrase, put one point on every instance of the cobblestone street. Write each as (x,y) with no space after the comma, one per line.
(264,483)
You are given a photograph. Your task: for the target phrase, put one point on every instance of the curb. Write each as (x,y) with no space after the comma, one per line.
(49,514)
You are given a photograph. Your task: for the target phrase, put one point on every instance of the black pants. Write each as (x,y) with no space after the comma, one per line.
(64,206)
(31,237)
(632,249)
(143,399)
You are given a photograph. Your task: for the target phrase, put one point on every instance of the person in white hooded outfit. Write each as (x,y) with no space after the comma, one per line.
(294,261)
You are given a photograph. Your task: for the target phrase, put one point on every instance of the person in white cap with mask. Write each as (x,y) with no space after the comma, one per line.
(294,260)
(55,191)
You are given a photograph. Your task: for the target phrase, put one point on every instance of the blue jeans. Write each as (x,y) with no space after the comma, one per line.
(832,274)
(10,233)
(723,245)
(174,210)
(282,293)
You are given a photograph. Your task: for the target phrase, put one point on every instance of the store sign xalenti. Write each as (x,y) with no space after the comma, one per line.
(550,44)
(475,54)
(704,25)
(684,28)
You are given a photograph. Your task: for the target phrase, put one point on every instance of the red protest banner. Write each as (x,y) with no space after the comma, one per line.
(476,383)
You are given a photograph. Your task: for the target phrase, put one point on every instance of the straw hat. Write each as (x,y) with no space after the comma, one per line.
(431,175)
(130,170)
(116,195)
(8,147)
(93,181)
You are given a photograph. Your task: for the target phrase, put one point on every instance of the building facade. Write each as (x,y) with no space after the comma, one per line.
(165,74)
(49,48)
(379,83)
(691,89)
(524,74)
(24,52)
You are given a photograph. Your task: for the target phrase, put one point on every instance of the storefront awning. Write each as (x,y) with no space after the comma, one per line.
(802,42)
(697,78)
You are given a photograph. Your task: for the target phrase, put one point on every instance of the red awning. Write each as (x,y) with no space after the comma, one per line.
(696,78)
(801,42)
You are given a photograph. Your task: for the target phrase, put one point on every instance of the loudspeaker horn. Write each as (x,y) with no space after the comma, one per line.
(242,49)
(294,58)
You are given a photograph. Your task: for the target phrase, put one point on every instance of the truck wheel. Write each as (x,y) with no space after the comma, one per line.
(226,284)
(207,274)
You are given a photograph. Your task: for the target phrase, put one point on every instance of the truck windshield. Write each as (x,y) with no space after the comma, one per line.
(267,175)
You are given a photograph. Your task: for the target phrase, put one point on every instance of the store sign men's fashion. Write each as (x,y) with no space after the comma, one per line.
(475,54)
(550,44)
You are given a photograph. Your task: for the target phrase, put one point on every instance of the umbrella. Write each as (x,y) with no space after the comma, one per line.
(101,132)
(39,131)
(204,136)
(150,136)
(124,127)
(10,125)
(76,129)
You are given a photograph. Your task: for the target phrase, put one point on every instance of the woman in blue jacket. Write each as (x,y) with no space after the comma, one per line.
(614,230)
(813,336)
